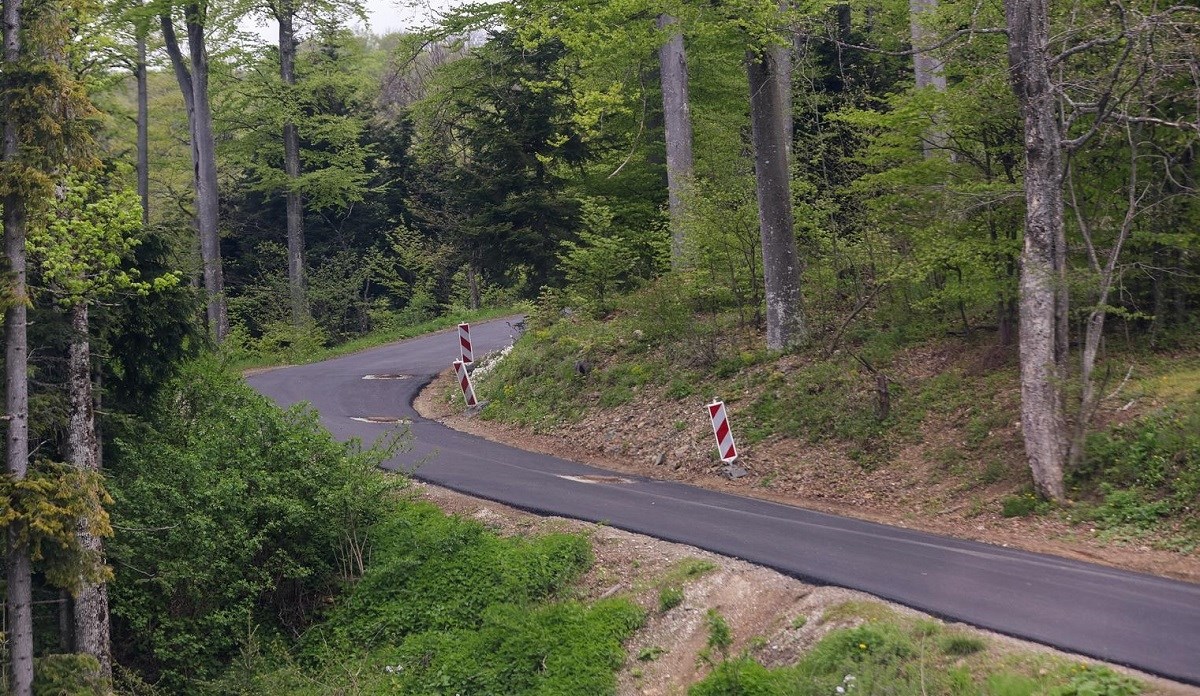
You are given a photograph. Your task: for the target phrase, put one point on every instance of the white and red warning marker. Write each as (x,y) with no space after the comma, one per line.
(720,423)
(464,344)
(464,382)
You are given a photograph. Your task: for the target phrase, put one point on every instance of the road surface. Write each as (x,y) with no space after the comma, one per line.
(1142,621)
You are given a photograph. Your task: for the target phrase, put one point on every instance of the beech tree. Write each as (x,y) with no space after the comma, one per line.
(769,71)
(192,75)
(677,126)
(1064,110)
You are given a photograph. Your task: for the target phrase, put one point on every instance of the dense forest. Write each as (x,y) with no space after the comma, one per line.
(181,199)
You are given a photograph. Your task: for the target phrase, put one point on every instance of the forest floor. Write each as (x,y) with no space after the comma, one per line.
(951,476)
(772,618)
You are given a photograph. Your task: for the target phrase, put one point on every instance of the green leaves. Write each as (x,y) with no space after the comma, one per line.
(83,243)
(233,515)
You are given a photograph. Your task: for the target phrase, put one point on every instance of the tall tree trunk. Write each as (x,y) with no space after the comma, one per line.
(769,75)
(91,626)
(677,124)
(926,68)
(291,166)
(1043,291)
(143,128)
(193,84)
(207,201)
(19,587)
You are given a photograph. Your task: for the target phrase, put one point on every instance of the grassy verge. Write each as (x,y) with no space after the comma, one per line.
(299,348)
(953,403)
(448,607)
(886,653)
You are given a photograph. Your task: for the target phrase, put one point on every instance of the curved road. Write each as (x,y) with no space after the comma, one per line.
(1142,621)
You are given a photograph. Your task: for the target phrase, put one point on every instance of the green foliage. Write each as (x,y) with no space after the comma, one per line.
(669,598)
(601,263)
(1021,505)
(961,645)
(741,677)
(234,514)
(720,637)
(1143,472)
(70,674)
(447,607)
(90,232)
(1098,681)
(895,657)
(463,570)
(49,505)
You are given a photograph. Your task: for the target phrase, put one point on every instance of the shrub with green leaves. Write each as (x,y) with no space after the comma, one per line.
(1144,471)
(449,607)
(232,516)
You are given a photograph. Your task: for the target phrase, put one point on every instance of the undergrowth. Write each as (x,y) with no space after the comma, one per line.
(901,657)
(449,607)
(956,399)
(1139,474)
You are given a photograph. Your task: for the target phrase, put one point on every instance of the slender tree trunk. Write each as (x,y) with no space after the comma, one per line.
(1043,291)
(143,128)
(193,84)
(207,201)
(926,68)
(19,586)
(91,626)
(473,282)
(291,166)
(769,75)
(677,124)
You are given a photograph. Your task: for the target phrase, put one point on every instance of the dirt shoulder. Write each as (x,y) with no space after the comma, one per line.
(668,439)
(772,617)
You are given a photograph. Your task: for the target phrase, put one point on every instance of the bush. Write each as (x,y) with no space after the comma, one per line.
(70,674)
(1145,470)
(448,607)
(232,516)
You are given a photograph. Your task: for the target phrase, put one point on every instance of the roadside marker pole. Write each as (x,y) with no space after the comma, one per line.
(464,382)
(464,344)
(720,423)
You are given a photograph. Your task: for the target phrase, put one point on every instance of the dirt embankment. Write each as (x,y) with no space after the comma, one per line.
(772,617)
(666,438)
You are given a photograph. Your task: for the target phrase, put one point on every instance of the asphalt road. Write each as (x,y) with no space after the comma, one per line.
(1142,621)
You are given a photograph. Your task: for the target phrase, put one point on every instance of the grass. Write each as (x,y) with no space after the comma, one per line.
(304,352)
(900,656)
(661,341)
(448,607)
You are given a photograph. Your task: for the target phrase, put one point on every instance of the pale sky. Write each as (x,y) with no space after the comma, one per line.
(384,16)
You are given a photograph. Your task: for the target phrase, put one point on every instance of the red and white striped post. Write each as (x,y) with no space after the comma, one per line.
(464,382)
(720,423)
(464,344)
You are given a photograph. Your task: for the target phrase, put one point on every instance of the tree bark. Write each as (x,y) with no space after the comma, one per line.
(1043,291)
(143,127)
(473,282)
(927,70)
(769,73)
(19,586)
(193,84)
(677,124)
(291,165)
(91,627)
